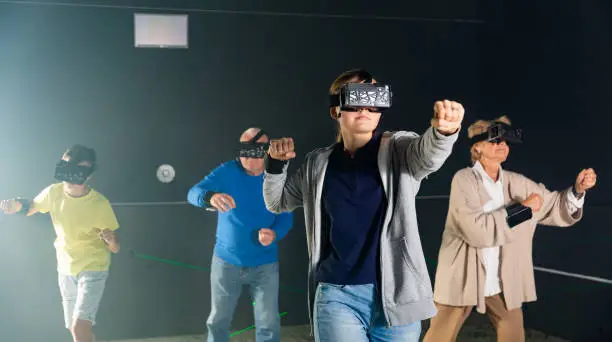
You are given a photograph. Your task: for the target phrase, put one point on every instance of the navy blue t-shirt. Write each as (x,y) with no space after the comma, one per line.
(353,204)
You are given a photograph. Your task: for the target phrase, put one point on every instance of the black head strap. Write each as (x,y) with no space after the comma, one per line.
(486,135)
(362,75)
(257,136)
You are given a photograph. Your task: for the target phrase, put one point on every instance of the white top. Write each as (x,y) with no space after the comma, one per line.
(490,255)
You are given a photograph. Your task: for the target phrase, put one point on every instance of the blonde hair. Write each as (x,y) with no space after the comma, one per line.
(479,127)
(353,75)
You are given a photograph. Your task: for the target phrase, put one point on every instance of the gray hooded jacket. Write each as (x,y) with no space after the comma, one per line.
(404,159)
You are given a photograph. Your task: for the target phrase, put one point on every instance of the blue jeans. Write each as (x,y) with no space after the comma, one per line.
(353,313)
(226,281)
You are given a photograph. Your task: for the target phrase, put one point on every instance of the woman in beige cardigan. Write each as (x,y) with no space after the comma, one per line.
(485,256)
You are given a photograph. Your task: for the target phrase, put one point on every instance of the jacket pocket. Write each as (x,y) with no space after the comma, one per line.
(410,283)
(411,266)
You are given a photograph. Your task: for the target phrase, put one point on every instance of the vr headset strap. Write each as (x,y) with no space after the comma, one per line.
(366,77)
(257,136)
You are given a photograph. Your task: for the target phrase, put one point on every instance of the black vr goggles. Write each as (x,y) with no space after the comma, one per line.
(252,148)
(498,132)
(72,173)
(354,96)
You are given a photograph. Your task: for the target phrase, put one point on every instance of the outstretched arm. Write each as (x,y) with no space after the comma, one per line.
(425,154)
(17,205)
(564,208)
(40,204)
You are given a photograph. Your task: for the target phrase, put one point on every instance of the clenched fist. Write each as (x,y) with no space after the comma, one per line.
(107,235)
(282,149)
(110,239)
(10,206)
(534,201)
(266,236)
(586,179)
(447,116)
(222,202)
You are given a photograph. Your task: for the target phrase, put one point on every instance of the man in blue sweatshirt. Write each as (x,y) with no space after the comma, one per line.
(246,250)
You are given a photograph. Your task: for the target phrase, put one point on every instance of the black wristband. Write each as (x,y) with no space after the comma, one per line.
(207,196)
(576,193)
(517,214)
(274,166)
(25,205)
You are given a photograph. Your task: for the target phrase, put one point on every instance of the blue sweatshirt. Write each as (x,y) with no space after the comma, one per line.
(238,230)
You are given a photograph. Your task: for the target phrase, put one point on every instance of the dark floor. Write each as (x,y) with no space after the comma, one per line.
(476,329)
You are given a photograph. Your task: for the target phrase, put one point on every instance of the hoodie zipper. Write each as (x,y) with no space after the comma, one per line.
(382,286)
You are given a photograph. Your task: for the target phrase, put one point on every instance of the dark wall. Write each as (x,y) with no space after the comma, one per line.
(71,74)
(548,68)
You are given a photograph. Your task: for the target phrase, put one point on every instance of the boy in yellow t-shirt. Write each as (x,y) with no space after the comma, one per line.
(85,226)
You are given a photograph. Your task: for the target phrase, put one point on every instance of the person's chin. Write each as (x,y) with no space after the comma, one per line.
(364,128)
(255,170)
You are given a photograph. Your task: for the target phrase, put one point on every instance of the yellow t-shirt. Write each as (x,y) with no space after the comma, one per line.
(75,219)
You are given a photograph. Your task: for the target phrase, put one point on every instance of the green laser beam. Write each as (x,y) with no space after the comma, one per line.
(199,268)
(250,328)
(431,263)
(171,262)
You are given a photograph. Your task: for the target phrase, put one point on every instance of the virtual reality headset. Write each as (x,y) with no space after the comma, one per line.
(252,148)
(72,173)
(355,96)
(498,132)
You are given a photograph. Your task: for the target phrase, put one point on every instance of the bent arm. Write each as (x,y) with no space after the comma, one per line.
(200,194)
(475,226)
(282,224)
(557,210)
(107,221)
(282,194)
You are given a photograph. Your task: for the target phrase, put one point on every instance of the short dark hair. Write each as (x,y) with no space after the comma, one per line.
(79,153)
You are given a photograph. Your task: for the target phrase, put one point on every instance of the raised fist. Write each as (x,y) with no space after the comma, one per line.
(447,116)
(10,206)
(586,179)
(281,149)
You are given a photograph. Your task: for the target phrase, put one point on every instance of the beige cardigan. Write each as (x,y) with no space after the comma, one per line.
(460,274)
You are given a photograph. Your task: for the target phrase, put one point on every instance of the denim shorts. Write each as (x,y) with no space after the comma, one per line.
(81,295)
